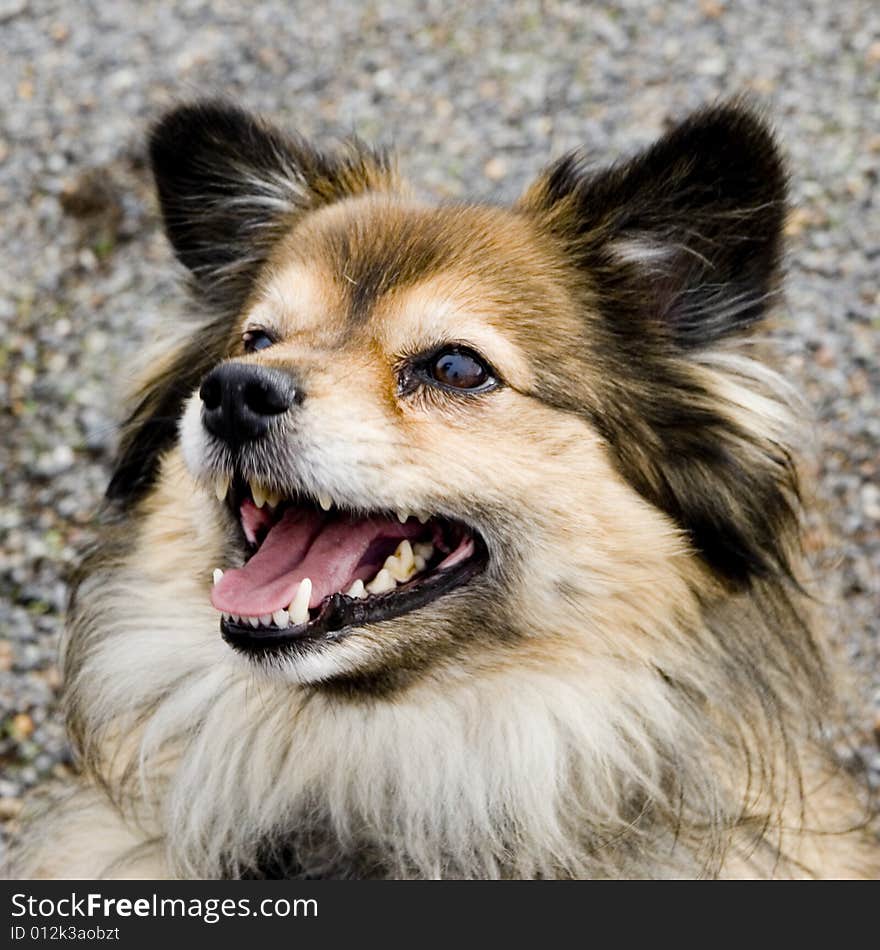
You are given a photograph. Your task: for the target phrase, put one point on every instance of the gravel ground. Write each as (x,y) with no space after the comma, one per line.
(476,97)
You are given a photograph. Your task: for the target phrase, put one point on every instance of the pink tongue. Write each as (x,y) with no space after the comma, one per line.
(303,544)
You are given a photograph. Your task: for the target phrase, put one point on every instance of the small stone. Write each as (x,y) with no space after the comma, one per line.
(797,222)
(871,501)
(824,356)
(495,169)
(90,193)
(22,726)
(59,460)
(384,80)
(712,66)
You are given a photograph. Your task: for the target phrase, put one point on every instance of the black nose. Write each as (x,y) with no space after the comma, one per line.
(239,401)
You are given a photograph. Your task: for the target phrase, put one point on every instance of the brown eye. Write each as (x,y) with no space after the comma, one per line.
(254,340)
(460,369)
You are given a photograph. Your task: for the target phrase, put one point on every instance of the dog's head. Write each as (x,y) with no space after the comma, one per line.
(437,433)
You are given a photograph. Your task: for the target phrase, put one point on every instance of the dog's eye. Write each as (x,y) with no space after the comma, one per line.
(453,368)
(254,340)
(458,368)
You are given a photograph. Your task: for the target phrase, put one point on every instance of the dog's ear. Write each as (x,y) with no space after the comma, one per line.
(672,252)
(230,184)
(682,242)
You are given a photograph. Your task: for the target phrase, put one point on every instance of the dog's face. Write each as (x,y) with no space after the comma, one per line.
(378,440)
(467,435)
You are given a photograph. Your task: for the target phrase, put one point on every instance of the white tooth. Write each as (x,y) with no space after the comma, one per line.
(218,575)
(403,516)
(259,494)
(382,582)
(420,562)
(281,618)
(221,486)
(253,621)
(299,606)
(272,498)
(357,590)
(423,518)
(325,502)
(226,616)
(266,620)
(424,550)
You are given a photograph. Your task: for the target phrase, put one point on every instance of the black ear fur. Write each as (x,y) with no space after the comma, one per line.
(675,250)
(230,184)
(684,240)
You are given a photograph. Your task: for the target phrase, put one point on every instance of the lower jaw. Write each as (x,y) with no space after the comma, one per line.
(339,616)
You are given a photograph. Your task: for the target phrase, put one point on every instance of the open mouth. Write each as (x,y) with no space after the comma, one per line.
(314,569)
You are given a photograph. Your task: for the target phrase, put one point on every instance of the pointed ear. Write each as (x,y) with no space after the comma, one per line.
(683,241)
(671,252)
(231,184)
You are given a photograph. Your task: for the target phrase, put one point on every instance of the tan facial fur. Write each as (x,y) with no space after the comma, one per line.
(516,469)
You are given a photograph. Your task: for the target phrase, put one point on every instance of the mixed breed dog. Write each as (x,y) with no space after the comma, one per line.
(458,541)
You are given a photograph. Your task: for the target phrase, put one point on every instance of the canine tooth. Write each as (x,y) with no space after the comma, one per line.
(424,550)
(281,618)
(401,564)
(259,494)
(357,590)
(272,499)
(221,486)
(266,620)
(382,582)
(299,606)
(218,575)
(325,502)
(253,621)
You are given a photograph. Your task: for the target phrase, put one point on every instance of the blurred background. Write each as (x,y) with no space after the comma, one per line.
(476,97)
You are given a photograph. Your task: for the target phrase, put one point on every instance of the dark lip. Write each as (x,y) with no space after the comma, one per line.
(339,616)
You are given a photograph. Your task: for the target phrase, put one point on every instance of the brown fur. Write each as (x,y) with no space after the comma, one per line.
(634,687)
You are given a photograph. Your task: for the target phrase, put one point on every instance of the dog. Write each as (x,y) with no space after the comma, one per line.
(457,541)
